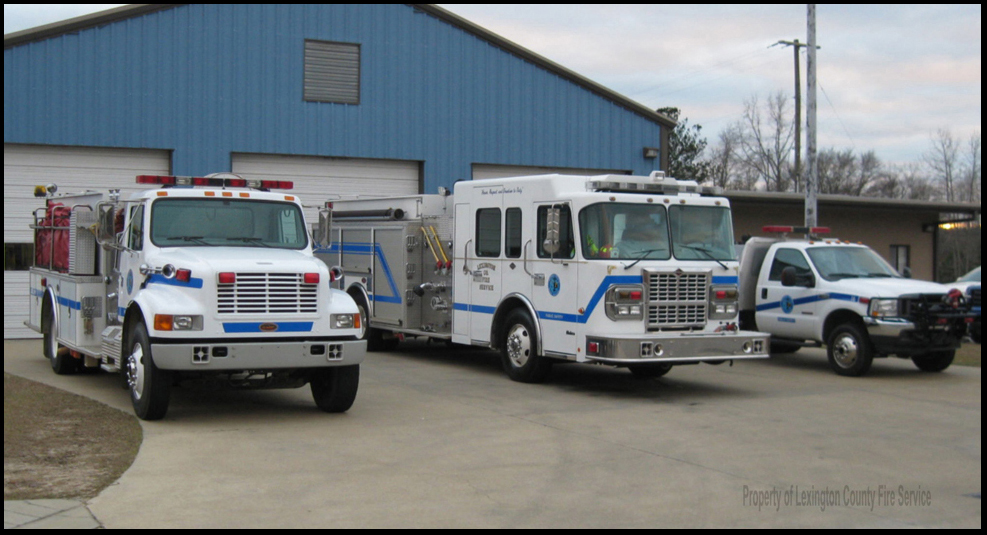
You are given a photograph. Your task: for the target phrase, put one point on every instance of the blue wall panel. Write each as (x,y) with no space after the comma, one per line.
(207,80)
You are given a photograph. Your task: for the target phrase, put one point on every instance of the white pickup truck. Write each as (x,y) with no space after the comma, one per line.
(846,297)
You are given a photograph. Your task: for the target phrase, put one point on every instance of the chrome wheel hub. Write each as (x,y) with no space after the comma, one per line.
(518,345)
(845,351)
(135,371)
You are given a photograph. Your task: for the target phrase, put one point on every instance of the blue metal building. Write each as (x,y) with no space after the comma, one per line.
(205,82)
(342,99)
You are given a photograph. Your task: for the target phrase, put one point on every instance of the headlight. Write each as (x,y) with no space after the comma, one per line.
(625,303)
(723,302)
(167,322)
(883,308)
(342,321)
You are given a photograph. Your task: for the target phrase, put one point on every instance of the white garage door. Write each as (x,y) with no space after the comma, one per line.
(486,171)
(73,169)
(319,179)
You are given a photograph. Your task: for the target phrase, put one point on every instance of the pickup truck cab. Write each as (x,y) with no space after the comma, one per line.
(846,297)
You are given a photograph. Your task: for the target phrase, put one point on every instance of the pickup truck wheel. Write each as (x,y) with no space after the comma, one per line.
(935,362)
(334,389)
(150,388)
(650,371)
(975,332)
(519,350)
(849,350)
(61,362)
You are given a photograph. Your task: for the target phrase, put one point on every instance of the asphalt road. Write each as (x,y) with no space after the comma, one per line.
(440,438)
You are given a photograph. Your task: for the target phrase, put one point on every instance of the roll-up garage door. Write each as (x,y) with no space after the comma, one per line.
(72,169)
(319,179)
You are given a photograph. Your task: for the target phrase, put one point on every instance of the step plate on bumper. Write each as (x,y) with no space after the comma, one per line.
(269,355)
(679,348)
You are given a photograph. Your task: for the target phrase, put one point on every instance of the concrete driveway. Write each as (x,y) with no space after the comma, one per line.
(440,438)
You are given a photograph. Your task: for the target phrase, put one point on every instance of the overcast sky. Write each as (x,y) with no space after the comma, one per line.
(889,75)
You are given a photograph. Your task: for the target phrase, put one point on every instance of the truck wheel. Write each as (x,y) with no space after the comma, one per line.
(374,337)
(650,371)
(975,332)
(334,389)
(849,350)
(935,362)
(783,348)
(150,387)
(61,362)
(519,350)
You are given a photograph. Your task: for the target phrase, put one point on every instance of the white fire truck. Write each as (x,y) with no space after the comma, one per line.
(207,278)
(635,272)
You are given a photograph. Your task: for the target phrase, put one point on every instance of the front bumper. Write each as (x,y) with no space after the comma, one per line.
(905,339)
(692,347)
(219,355)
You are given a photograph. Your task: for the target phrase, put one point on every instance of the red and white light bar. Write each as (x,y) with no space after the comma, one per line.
(797,230)
(213,182)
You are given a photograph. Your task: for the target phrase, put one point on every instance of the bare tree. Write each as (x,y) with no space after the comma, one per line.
(723,159)
(767,140)
(943,161)
(972,169)
(906,182)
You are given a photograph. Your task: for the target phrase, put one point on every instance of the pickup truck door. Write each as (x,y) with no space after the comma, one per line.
(787,311)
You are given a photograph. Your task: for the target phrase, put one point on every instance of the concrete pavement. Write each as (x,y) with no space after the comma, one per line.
(439,437)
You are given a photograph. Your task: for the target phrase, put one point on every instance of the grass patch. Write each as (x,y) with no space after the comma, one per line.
(57,445)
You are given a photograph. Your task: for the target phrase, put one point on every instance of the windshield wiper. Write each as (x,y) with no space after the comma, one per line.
(844,275)
(642,257)
(707,253)
(194,239)
(256,241)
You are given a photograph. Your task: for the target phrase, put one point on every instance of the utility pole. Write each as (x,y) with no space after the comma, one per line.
(812,182)
(798,111)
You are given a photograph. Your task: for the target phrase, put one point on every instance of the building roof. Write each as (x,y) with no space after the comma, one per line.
(971,209)
(134,10)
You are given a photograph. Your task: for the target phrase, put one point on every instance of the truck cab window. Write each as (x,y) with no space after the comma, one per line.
(513,233)
(567,244)
(135,240)
(786,258)
(488,230)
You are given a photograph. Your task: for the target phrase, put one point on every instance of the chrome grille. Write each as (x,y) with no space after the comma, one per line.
(268,293)
(677,299)
(975,297)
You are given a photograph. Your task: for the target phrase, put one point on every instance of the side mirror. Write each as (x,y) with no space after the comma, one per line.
(323,236)
(551,244)
(907,272)
(106,228)
(789,277)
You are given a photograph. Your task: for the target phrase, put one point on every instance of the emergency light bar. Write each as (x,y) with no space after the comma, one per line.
(213,182)
(797,230)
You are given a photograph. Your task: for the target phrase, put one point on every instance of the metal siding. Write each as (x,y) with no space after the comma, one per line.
(208,80)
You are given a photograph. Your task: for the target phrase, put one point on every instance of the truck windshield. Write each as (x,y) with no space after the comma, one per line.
(702,233)
(227,222)
(838,263)
(626,231)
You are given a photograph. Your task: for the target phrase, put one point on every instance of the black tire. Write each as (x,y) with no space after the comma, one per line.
(150,387)
(650,371)
(61,361)
(975,332)
(935,362)
(784,348)
(850,351)
(334,389)
(519,350)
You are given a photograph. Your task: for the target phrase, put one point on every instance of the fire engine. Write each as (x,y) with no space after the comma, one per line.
(634,272)
(208,278)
